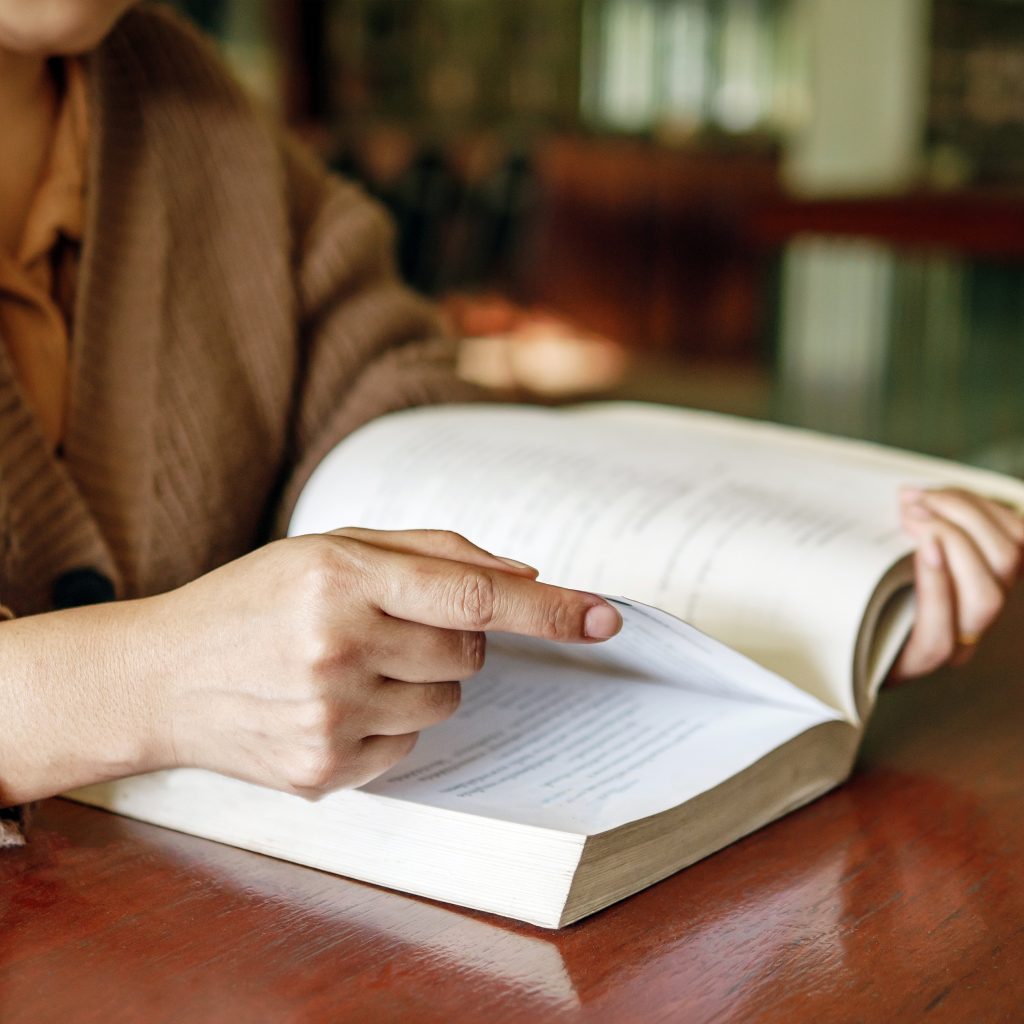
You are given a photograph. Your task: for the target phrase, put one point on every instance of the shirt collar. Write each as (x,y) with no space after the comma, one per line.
(58,206)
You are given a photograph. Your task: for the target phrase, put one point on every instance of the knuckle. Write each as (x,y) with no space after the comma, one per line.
(474,651)
(1010,567)
(472,599)
(399,750)
(988,607)
(316,562)
(327,653)
(314,770)
(558,621)
(313,720)
(327,562)
(442,543)
(443,700)
(381,757)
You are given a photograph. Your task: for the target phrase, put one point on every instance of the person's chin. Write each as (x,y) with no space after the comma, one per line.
(52,28)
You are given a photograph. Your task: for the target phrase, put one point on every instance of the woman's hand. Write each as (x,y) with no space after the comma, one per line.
(968,557)
(313,663)
(310,664)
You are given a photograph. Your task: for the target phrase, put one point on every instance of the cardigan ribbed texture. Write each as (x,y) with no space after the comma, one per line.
(237,314)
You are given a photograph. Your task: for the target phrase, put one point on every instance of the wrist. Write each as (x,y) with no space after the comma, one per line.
(81,691)
(144,678)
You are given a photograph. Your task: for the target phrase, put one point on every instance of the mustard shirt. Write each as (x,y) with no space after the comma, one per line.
(37,285)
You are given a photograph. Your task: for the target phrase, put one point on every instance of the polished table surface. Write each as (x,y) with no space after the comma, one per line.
(899,897)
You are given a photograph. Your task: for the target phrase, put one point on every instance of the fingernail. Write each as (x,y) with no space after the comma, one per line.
(931,553)
(601,622)
(517,564)
(911,494)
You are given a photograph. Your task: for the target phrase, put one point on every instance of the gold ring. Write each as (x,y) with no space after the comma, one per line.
(968,639)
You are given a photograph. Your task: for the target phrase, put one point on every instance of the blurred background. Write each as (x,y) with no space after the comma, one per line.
(805,210)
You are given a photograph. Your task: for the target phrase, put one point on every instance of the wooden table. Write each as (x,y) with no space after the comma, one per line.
(900,897)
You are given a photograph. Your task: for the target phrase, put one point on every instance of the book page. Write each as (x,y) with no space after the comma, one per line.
(773,548)
(914,467)
(548,735)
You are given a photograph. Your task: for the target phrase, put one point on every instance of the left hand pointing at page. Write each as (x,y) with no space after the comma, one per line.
(968,557)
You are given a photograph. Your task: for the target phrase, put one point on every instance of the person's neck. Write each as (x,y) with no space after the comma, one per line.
(25,85)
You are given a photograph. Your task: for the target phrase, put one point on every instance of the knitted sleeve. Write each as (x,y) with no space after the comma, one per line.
(13,820)
(369,345)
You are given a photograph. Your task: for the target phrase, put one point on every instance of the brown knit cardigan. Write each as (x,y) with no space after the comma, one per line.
(237,314)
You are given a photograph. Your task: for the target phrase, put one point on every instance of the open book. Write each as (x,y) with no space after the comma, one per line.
(572,776)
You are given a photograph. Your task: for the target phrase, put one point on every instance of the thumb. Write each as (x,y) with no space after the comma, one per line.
(437,544)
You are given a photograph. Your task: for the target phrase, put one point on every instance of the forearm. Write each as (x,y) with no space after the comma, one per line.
(79,693)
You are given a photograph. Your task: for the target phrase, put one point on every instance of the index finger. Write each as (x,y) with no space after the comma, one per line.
(456,595)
